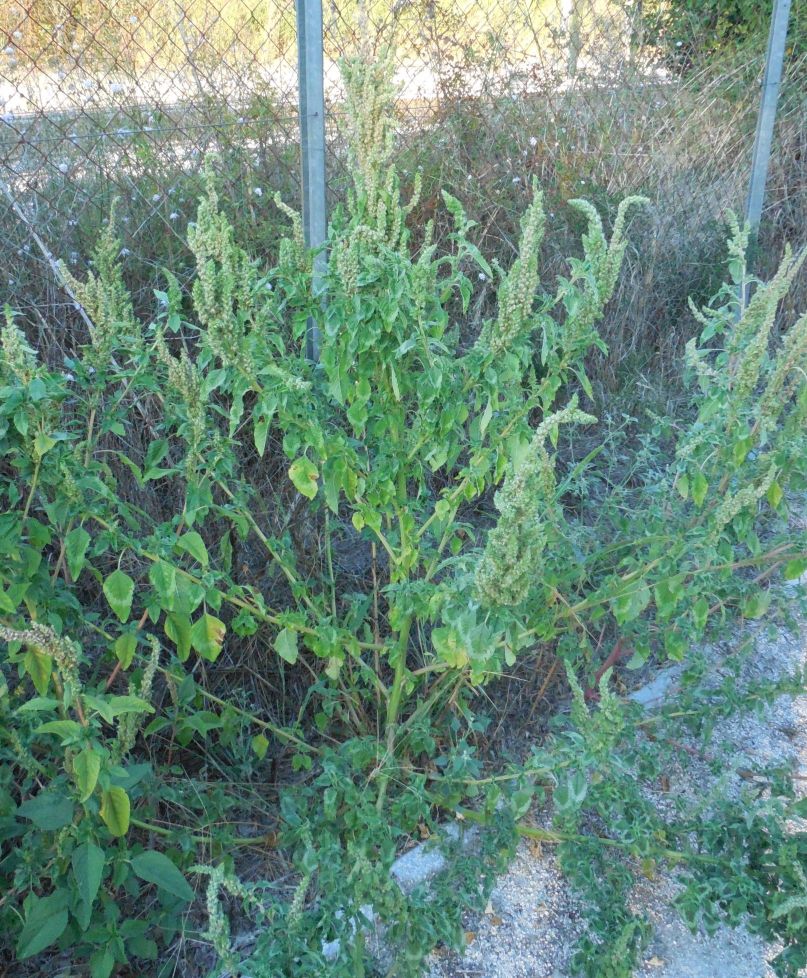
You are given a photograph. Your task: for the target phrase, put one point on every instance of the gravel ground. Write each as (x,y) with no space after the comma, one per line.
(533,920)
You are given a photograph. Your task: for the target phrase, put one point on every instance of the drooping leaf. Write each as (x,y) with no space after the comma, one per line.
(156,867)
(119,591)
(207,636)
(794,569)
(304,474)
(163,578)
(88,868)
(178,630)
(86,768)
(39,667)
(260,745)
(757,604)
(45,921)
(48,811)
(286,645)
(65,729)
(115,808)
(125,647)
(75,549)
(699,488)
(194,545)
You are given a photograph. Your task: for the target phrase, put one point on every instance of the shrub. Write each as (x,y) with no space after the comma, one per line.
(420,536)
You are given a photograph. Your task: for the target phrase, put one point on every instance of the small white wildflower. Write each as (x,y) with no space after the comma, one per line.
(11,281)
(87,84)
(516,179)
(679,44)
(115,88)
(533,141)
(63,168)
(9,50)
(124,252)
(133,19)
(17,35)
(482,277)
(241,120)
(155,197)
(257,191)
(173,216)
(68,377)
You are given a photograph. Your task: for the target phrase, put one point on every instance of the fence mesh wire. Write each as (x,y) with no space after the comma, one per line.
(124,98)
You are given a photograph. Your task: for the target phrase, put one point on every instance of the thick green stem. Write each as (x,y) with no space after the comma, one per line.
(32,490)
(394,707)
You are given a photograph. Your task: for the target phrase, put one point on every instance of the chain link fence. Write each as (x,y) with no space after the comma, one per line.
(125,98)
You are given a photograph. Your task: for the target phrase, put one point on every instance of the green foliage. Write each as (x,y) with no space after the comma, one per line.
(691,30)
(381,590)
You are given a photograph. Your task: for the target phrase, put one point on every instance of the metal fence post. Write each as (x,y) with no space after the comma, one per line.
(767,112)
(312,143)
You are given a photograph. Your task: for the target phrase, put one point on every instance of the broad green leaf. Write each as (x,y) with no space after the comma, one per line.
(775,494)
(155,867)
(142,947)
(102,963)
(449,646)
(43,444)
(45,921)
(741,449)
(194,545)
(793,569)
(115,809)
(682,485)
(75,549)
(62,728)
(163,578)
(260,745)
(207,636)
(88,868)
(757,604)
(119,591)
(48,811)
(629,606)
(178,630)
(699,488)
(667,594)
(303,473)
(125,646)
(39,667)
(700,612)
(128,704)
(286,645)
(86,768)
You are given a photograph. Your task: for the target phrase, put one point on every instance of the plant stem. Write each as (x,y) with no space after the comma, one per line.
(394,706)
(32,490)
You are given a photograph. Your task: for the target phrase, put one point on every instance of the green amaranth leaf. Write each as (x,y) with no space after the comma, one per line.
(303,473)
(119,591)
(155,867)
